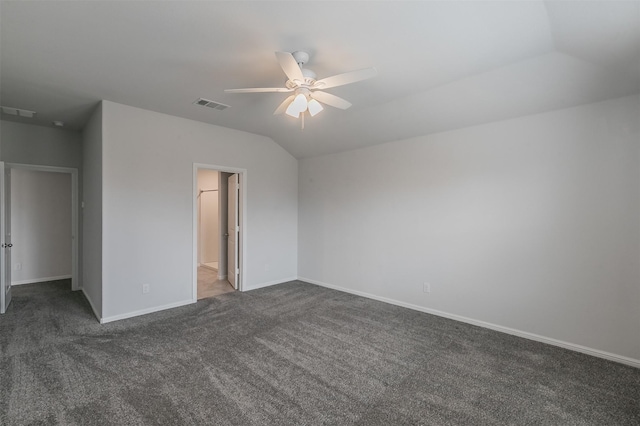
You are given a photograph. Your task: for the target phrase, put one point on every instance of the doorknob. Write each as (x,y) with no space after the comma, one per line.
(7,245)
(226,234)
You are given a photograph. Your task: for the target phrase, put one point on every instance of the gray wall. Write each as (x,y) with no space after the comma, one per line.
(148,206)
(39,145)
(208,217)
(530,224)
(92,212)
(45,146)
(40,226)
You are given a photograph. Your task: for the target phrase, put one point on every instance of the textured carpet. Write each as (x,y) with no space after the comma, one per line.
(291,354)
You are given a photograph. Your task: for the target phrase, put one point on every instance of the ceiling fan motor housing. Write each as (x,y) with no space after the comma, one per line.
(309,79)
(301,57)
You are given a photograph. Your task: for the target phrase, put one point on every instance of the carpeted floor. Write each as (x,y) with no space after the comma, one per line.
(291,354)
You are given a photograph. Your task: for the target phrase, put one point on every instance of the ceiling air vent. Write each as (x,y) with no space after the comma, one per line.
(17,111)
(211,104)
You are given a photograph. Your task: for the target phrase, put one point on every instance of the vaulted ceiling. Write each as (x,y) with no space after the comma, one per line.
(441,65)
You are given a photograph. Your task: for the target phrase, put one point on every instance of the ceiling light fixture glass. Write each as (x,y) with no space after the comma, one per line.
(297,106)
(314,107)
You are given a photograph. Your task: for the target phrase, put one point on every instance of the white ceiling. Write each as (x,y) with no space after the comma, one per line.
(442,64)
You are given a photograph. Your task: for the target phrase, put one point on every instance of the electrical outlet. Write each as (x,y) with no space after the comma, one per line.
(18,266)
(145,288)
(426,288)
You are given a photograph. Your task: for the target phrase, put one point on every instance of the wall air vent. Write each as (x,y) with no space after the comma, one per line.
(211,104)
(17,111)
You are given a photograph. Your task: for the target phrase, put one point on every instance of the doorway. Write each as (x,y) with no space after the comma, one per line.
(39,206)
(218,230)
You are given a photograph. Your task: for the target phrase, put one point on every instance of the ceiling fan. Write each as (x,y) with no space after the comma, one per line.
(307,91)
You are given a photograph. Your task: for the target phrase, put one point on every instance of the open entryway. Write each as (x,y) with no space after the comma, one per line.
(218,230)
(39,228)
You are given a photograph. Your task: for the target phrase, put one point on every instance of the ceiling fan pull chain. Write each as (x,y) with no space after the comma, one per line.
(302,126)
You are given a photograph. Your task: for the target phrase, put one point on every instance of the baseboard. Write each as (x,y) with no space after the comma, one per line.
(270,283)
(145,311)
(93,307)
(41,280)
(524,334)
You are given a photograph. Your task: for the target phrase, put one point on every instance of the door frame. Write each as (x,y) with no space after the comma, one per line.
(242,209)
(75,278)
(5,290)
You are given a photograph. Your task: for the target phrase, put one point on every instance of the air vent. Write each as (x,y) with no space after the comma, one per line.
(17,111)
(211,104)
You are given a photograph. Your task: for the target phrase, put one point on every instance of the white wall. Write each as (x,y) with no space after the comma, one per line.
(531,223)
(209,232)
(92,211)
(40,226)
(148,206)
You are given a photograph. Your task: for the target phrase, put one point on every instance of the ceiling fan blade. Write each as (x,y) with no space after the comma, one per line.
(331,100)
(260,90)
(283,106)
(346,78)
(289,66)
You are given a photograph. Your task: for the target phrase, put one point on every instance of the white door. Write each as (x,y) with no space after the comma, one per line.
(5,235)
(233,231)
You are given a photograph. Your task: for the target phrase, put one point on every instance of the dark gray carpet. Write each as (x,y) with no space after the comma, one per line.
(291,354)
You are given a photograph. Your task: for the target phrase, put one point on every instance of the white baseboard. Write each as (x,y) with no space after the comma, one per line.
(40,280)
(531,336)
(270,283)
(145,311)
(93,307)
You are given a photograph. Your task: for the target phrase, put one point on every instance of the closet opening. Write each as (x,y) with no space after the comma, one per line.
(39,229)
(219,231)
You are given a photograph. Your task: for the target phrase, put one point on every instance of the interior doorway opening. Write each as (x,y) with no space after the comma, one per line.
(211,220)
(218,231)
(38,226)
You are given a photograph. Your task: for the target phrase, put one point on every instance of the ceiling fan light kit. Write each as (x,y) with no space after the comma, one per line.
(307,91)
(297,106)
(314,107)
